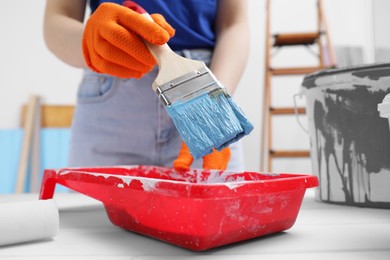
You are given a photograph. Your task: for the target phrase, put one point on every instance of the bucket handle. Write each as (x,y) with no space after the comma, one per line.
(296,112)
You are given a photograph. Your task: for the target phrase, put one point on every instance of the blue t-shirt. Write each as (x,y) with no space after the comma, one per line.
(193,20)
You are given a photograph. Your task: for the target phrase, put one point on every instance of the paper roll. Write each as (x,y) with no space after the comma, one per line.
(28,221)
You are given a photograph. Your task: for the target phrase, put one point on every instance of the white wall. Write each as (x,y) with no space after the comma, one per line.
(27,67)
(381,30)
(381,22)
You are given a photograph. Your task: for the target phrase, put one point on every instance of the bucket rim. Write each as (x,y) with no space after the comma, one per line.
(309,79)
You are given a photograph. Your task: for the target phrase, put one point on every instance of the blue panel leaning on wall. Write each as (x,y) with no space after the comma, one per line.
(54,153)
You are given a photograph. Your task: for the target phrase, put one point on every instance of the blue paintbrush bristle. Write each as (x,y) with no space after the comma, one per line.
(210,120)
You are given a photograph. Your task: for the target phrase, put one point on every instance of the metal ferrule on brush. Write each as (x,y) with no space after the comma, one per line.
(188,86)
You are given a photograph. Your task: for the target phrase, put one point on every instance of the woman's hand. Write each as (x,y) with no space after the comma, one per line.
(217,160)
(113,40)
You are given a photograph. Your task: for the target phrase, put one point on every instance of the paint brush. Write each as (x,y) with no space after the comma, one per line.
(205,115)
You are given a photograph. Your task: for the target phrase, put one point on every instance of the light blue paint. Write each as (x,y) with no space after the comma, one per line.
(54,149)
(10,147)
(209,121)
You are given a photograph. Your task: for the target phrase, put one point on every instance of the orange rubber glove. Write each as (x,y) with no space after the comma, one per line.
(113,40)
(217,160)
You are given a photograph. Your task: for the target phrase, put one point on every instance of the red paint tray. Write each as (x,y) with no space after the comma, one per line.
(196,209)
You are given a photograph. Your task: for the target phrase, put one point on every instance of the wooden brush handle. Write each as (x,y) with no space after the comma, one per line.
(170,64)
(157,50)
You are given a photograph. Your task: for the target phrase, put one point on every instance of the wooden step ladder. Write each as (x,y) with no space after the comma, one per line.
(326,59)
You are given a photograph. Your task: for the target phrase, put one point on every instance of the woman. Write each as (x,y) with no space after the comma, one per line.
(118,118)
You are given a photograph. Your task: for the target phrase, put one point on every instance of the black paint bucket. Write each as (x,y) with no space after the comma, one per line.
(350,142)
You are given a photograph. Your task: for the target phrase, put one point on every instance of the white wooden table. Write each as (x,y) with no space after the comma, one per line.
(322,231)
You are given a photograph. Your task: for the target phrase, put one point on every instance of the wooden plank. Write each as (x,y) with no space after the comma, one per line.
(292,153)
(27,143)
(295,71)
(56,116)
(287,110)
(266,122)
(289,39)
(35,160)
(323,25)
